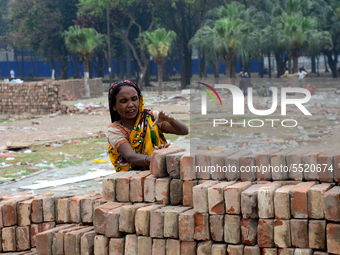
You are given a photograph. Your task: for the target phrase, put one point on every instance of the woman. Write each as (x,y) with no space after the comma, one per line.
(136,132)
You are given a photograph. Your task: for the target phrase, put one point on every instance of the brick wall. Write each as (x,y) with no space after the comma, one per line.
(30,97)
(42,97)
(76,89)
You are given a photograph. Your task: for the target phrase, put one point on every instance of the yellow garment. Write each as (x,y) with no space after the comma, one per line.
(143,138)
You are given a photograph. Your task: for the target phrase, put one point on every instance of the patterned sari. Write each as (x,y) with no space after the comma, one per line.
(143,138)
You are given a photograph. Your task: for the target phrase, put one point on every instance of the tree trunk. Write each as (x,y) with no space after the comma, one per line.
(269,66)
(233,69)
(63,67)
(36,65)
(260,61)
(23,63)
(290,65)
(53,67)
(312,57)
(295,64)
(324,58)
(90,69)
(199,63)
(128,62)
(86,79)
(216,67)
(160,77)
(8,66)
(16,60)
(332,63)
(165,73)
(121,74)
(227,69)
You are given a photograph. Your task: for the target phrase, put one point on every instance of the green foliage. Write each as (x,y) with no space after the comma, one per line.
(83,41)
(158,43)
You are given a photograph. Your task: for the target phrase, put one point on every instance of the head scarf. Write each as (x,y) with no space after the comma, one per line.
(143,137)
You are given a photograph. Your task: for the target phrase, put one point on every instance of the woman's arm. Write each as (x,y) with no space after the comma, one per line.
(171,125)
(132,157)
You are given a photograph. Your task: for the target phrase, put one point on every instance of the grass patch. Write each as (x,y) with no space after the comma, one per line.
(60,156)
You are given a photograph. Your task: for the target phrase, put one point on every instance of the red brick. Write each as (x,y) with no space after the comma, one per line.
(327,157)
(235,249)
(216,197)
(116,246)
(232,197)
(299,233)
(58,240)
(249,202)
(44,239)
(123,187)
(299,251)
(171,221)
(173,246)
(282,202)
(9,213)
(217,227)
(37,215)
(278,161)
(333,238)
(269,251)
(187,248)
(294,159)
(317,234)
(252,250)
(219,249)
(331,204)
(74,208)
(87,243)
(282,237)
(299,200)
(265,233)
(176,191)
(8,239)
(34,230)
(202,231)
(127,217)
(86,208)
(233,162)
(131,245)
(157,222)
(100,214)
(158,247)
(188,193)
(247,162)
(187,167)
(149,188)
(72,241)
(158,160)
(336,168)
(142,219)
(48,209)
(23,240)
(315,200)
(218,161)
(47,226)
(173,164)
(112,223)
(186,225)
(249,231)
(263,161)
(162,190)
(62,213)
(200,196)
(101,245)
(232,229)
(204,248)
(24,209)
(109,186)
(202,160)
(136,186)
(286,251)
(310,162)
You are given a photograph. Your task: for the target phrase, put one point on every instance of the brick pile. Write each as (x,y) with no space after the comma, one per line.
(174,210)
(74,88)
(28,97)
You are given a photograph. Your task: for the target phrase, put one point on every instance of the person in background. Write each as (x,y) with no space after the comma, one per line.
(262,92)
(243,81)
(270,91)
(12,73)
(30,73)
(301,76)
(286,73)
(135,132)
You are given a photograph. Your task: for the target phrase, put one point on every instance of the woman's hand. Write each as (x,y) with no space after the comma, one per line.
(163,116)
(162,146)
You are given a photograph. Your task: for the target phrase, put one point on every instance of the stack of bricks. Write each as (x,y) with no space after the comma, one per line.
(75,87)
(28,97)
(173,209)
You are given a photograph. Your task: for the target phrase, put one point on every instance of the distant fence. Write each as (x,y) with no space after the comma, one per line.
(44,68)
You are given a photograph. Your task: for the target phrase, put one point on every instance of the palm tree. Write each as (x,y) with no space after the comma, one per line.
(158,44)
(84,41)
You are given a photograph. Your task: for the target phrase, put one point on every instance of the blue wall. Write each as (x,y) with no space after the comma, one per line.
(45,68)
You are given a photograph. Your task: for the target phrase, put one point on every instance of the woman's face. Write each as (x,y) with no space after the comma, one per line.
(127,102)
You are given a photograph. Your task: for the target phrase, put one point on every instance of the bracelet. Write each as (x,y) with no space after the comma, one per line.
(145,160)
